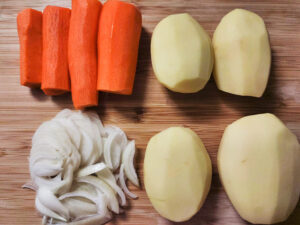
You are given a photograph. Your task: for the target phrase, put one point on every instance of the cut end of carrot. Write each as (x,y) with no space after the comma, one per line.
(115,91)
(83,98)
(53,92)
(83,105)
(30,84)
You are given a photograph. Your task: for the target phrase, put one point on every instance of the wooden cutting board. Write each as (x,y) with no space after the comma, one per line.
(151,108)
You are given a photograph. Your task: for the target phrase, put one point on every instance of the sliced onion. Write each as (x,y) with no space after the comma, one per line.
(88,156)
(44,168)
(93,220)
(44,221)
(89,192)
(123,183)
(65,113)
(30,185)
(91,169)
(45,211)
(98,130)
(114,129)
(112,151)
(79,207)
(127,160)
(95,119)
(107,176)
(107,149)
(71,129)
(49,200)
(113,203)
(73,143)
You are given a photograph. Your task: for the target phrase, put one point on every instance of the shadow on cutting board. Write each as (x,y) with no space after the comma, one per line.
(203,105)
(211,102)
(268,103)
(131,106)
(38,94)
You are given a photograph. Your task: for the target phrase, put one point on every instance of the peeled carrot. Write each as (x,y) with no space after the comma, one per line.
(55,78)
(82,52)
(118,42)
(30,35)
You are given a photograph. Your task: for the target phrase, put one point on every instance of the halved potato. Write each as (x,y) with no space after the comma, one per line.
(181,52)
(177,173)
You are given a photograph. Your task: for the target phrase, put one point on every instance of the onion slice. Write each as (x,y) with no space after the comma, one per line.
(45,211)
(30,185)
(127,160)
(107,176)
(89,192)
(91,169)
(49,200)
(113,203)
(123,183)
(109,143)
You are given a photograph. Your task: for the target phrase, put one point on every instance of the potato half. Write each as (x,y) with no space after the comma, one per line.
(242,54)
(181,52)
(258,162)
(177,173)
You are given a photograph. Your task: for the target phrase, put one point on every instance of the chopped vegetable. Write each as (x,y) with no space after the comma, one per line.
(118,42)
(123,183)
(83,52)
(67,167)
(127,159)
(91,169)
(55,78)
(31,44)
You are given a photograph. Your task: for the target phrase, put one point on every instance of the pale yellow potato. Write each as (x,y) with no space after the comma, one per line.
(258,162)
(181,53)
(177,173)
(242,54)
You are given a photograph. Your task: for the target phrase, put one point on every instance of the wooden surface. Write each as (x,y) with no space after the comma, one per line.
(151,108)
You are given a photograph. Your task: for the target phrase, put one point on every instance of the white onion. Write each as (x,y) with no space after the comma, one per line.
(91,169)
(30,185)
(127,160)
(112,151)
(113,203)
(79,207)
(122,136)
(123,183)
(107,176)
(72,163)
(89,192)
(45,211)
(71,129)
(49,200)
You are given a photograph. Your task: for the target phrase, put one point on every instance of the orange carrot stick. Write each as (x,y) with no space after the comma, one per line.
(82,52)
(118,42)
(30,35)
(55,79)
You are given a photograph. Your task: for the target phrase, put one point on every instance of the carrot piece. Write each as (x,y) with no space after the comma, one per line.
(118,42)
(30,36)
(55,76)
(82,52)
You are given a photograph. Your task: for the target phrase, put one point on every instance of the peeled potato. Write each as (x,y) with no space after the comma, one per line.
(177,173)
(258,163)
(242,54)
(181,52)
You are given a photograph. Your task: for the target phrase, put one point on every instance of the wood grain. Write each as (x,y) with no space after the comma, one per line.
(151,108)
